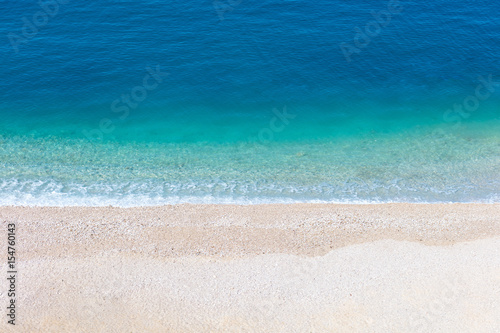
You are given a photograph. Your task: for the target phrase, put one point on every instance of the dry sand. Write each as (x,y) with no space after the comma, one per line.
(262,268)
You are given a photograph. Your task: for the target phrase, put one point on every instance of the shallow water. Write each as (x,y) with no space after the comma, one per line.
(261,106)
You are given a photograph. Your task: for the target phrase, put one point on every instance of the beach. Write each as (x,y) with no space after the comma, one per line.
(250,166)
(257,268)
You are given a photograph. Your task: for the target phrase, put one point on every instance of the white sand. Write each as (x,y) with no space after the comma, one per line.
(377,285)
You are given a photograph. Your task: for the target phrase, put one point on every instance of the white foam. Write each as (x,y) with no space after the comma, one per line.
(15,192)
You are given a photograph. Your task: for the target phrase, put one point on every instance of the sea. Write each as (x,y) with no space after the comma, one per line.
(139,103)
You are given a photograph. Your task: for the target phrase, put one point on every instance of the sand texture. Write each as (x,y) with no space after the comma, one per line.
(258,268)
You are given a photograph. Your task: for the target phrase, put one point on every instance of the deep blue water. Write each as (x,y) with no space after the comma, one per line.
(136,103)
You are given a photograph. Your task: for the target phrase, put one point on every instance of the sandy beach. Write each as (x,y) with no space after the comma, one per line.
(257,268)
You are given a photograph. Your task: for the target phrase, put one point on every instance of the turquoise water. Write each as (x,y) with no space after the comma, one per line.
(261,106)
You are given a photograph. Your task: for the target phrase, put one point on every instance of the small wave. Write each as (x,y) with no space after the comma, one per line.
(15,192)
